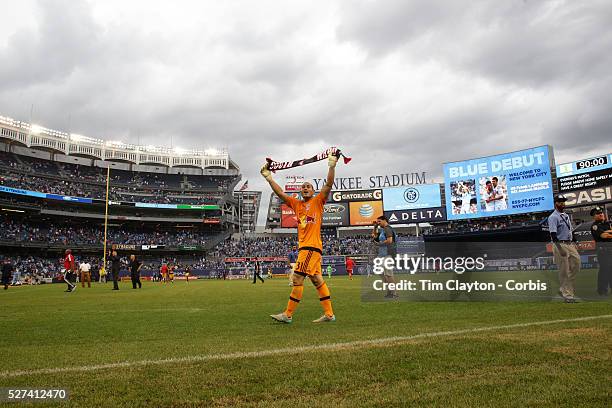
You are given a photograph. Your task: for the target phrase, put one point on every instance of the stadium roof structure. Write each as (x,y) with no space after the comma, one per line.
(35,136)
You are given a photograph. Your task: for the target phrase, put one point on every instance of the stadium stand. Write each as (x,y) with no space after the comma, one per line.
(20,231)
(46,176)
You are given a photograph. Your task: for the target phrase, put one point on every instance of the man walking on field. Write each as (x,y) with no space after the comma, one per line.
(85,269)
(309,213)
(350,264)
(69,270)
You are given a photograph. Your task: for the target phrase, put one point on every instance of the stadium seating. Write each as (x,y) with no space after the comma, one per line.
(85,181)
(22,231)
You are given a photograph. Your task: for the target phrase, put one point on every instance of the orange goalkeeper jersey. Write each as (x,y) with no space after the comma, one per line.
(309,216)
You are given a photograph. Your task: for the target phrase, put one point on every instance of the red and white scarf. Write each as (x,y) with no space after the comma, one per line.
(274,165)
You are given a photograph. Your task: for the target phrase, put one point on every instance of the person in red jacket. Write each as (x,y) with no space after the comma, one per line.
(69,270)
(350,264)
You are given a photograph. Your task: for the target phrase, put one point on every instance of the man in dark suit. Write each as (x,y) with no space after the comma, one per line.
(135,267)
(115,266)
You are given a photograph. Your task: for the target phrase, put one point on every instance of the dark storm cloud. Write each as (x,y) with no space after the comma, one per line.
(66,38)
(586,125)
(382,27)
(71,66)
(533,43)
(542,46)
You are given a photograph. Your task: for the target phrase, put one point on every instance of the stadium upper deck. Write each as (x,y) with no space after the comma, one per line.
(65,144)
(48,161)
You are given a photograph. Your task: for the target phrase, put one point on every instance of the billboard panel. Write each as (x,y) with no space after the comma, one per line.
(355,195)
(589,196)
(335,215)
(511,183)
(365,212)
(586,182)
(288,217)
(294,183)
(582,181)
(416,216)
(585,166)
(412,197)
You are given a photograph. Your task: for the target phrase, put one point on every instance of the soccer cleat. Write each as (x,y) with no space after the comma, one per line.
(281,317)
(325,318)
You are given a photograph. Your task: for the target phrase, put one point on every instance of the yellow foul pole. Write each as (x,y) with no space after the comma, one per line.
(106,215)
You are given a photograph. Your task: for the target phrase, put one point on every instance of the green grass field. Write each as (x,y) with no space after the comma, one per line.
(210,332)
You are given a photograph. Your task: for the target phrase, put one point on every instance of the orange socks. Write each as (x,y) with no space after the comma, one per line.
(296,296)
(325,299)
(294,299)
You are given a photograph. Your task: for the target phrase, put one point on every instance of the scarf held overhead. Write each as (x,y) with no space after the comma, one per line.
(274,165)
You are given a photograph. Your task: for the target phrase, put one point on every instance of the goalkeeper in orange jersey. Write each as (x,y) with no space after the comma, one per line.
(309,212)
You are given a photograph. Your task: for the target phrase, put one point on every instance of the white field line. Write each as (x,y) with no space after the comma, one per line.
(291,350)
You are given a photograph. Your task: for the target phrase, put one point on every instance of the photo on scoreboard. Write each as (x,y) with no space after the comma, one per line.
(493,193)
(510,183)
(463,196)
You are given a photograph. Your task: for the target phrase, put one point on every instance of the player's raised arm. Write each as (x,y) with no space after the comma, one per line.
(267,174)
(332,160)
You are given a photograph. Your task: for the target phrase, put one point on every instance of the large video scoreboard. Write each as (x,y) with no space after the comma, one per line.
(587,181)
(505,184)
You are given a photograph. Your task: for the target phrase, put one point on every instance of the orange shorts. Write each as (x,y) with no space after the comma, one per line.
(308,263)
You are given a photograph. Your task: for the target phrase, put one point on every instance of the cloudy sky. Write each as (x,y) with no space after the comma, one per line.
(399,85)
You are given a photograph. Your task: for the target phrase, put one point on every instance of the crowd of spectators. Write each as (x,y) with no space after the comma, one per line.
(130,194)
(261,246)
(36,267)
(33,269)
(85,181)
(465,226)
(93,235)
(281,246)
(33,233)
(247,247)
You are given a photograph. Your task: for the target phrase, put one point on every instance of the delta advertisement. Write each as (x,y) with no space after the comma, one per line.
(586,182)
(414,204)
(511,183)
(421,215)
